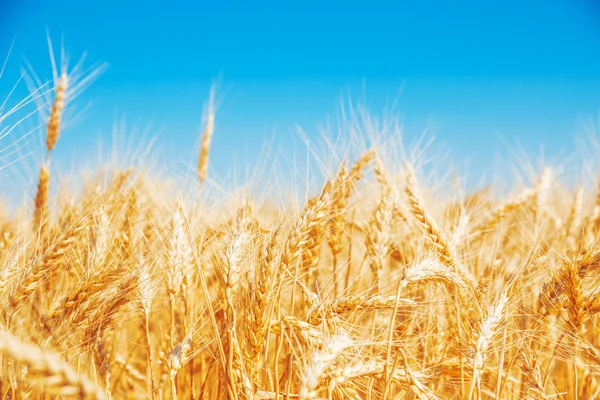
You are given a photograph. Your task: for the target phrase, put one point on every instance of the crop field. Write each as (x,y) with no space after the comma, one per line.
(384,283)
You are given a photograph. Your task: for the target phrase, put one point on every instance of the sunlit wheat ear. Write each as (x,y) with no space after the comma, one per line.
(41,200)
(433,271)
(316,213)
(571,281)
(363,303)
(230,270)
(349,182)
(43,264)
(489,327)
(312,253)
(336,188)
(206,139)
(318,363)
(346,373)
(426,223)
(308,334)
(179,256)
(53,127)
(70,82)
(379,234)
(260,306)
(178,356)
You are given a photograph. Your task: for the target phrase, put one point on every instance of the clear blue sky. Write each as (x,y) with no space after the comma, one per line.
(479,70)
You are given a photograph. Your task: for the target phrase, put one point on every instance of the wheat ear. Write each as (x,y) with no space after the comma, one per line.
(206,139)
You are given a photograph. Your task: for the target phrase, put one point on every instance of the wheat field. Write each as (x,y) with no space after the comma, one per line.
(381,285)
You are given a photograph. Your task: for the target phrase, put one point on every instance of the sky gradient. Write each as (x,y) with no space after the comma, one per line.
(481,73)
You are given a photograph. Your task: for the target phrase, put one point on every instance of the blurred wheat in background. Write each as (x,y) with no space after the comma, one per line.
(384,284)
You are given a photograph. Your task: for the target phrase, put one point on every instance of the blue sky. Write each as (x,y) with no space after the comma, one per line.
(481,72)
